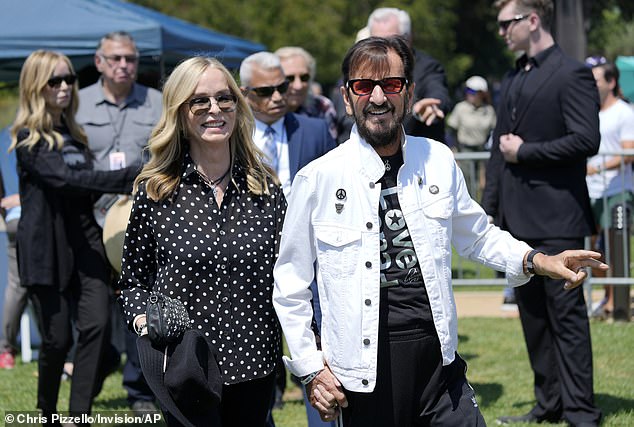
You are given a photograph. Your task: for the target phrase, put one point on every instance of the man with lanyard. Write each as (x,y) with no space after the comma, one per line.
(379,215)
(118,115)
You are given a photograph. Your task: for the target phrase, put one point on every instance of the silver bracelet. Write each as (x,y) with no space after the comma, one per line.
(308,378)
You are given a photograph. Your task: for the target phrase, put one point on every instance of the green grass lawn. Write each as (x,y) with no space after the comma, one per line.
(498,370)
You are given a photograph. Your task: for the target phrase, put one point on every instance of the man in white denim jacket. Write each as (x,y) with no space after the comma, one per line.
(375,220)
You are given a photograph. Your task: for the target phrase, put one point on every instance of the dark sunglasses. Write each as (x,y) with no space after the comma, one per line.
(201,105)
(117,58)
(389,85)
(504,25)
(266,91)
(302,77)
(57,80)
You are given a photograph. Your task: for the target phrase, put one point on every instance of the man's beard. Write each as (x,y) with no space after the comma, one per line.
(383,135)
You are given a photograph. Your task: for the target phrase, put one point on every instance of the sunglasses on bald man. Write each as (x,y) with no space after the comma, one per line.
(266,91)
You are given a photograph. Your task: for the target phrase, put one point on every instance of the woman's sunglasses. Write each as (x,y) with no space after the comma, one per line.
(56,81)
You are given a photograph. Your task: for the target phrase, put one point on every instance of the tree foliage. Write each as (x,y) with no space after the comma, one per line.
(611,34)
(326,28)
(461,34)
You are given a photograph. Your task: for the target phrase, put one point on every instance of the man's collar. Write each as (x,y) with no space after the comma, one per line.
(370,161)
(278,125)
(133,96)
(534,61)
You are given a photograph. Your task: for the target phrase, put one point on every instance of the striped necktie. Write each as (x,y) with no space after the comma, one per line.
(270,148)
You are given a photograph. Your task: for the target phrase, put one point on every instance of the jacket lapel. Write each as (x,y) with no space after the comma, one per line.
(291,125)
(547,70)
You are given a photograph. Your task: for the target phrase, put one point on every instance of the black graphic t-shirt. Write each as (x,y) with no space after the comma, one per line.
(402,285)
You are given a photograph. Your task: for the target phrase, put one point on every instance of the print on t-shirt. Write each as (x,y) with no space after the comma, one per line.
(402,284)
(399,264)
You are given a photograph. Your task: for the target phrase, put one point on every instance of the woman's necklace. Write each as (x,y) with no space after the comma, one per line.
(213,183)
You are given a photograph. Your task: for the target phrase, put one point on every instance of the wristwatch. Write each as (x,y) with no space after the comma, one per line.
(308,378)
(530,267)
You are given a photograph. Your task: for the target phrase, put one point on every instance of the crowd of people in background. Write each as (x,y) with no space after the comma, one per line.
(272,212)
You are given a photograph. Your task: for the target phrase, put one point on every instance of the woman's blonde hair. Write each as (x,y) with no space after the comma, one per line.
(163,172)
(32,111)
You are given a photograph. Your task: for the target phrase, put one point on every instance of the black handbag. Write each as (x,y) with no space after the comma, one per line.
(167,319)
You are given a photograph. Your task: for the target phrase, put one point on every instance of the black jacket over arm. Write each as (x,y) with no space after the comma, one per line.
(431,82)
(51,188)
(545,195)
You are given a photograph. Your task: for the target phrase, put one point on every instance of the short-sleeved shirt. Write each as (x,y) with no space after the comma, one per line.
(472,124)
(122,128)
(616,125)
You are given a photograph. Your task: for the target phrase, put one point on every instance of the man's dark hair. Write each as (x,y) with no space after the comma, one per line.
(372,53)
(611,74)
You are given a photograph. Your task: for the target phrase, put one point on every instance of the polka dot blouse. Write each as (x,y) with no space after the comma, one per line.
(217,260)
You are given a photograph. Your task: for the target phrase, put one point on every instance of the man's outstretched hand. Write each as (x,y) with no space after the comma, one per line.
(569,265)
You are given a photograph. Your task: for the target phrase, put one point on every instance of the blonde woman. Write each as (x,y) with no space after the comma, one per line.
(62,260)
(204,228)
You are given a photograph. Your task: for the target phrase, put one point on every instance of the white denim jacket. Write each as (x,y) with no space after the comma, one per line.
(333,220)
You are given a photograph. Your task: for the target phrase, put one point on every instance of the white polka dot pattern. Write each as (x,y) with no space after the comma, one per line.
(217,260)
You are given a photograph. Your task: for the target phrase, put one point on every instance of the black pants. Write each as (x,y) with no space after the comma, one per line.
(88,293)
(245,404)
(557,334)
(413,388)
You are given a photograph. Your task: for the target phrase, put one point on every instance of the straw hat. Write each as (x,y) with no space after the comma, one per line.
(114,229)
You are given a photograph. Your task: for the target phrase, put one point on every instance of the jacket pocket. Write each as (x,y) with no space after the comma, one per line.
(339,253)
(337,248)
(439,208)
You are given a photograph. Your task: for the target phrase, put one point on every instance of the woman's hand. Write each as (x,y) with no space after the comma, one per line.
(140,325)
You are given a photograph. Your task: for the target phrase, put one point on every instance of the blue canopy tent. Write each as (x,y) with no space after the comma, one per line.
(74,27)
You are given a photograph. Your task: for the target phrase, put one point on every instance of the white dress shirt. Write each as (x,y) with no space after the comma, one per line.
(281,139)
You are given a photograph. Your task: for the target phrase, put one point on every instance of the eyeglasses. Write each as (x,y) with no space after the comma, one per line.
(303,77)
(55,82)
(595,61)
(266,91)
(504,25)
(389,85)
(115,59)
(201,105)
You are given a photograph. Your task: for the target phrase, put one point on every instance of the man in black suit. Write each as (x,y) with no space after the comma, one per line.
(548,124)
(431,96)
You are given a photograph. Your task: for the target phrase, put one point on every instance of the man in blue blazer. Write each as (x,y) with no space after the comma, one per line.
(548,124)
(289,140)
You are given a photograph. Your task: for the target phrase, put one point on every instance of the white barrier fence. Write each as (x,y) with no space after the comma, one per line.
(617,242)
